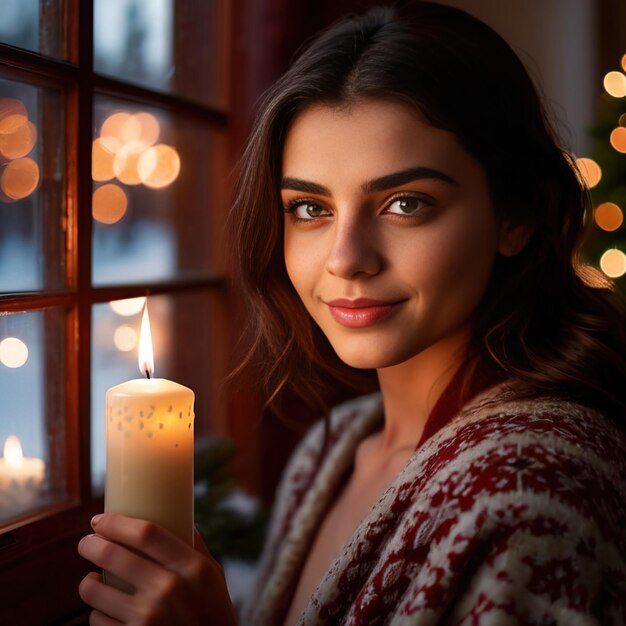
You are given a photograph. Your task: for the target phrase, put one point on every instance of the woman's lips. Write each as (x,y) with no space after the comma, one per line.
(360,312)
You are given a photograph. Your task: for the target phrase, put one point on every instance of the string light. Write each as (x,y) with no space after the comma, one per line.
(125,338)
(613,263)
(608,216)
(589,170)
(128,306)
(159,166)
(618,139)
(615,84)
(20,178)
(103,153)
(13,352)
(109,204)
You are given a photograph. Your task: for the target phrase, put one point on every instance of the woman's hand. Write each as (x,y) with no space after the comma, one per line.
(175,583)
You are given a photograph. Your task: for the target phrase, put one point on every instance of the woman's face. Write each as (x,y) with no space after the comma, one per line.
(390,234)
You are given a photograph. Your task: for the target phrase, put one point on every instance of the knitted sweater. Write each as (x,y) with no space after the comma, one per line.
(513,512)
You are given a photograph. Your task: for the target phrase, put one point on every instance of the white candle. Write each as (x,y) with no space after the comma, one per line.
(21,479)
(150,448)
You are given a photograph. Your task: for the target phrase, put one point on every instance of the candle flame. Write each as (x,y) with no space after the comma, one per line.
(146,355)
(13,451)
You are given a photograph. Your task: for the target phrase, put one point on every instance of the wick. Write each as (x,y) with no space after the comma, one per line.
(148,374)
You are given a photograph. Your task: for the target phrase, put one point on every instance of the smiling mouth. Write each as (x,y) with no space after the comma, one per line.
(361,312)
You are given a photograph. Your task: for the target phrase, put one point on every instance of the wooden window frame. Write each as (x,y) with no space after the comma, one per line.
(39,565)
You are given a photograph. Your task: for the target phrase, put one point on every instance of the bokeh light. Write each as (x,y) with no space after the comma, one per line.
(613,263)
(125,163)
(103,153)
(20,178)
(109,204)
(125,338)
(624,62)
(123,126)
(150,129)
(622,119)
(615,84)
(128,306)
(12,114)
(618,139)
(13,352)
(608,216)
(13,451)
(19,141)
(159,166)
(589,170)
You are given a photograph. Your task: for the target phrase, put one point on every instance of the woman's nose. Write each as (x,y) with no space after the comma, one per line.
(353,248)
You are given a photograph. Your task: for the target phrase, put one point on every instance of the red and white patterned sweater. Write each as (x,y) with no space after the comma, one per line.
(512,512)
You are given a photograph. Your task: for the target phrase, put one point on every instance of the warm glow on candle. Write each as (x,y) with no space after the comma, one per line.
(146,356)
(13,451)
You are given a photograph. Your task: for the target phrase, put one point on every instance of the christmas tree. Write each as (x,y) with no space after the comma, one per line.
(605,174)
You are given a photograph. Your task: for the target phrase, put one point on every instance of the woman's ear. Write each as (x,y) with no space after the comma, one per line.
(513,238)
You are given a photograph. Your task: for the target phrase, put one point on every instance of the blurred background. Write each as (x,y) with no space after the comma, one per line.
(121,122)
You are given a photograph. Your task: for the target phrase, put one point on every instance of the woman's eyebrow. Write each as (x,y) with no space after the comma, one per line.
(306,186)
(406,176)
(377,184)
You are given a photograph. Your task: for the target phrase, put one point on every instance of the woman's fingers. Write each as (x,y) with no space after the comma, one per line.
(175,583)
(120,561)
(96,618)
(161,599)
(101,597)
(164,548)
(151,540)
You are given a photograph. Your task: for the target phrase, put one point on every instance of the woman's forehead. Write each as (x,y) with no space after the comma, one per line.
(371,137)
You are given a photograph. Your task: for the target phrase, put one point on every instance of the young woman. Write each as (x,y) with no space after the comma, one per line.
(404,207)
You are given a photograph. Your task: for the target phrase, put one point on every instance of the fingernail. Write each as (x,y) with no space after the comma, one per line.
(80,543)
(95,519)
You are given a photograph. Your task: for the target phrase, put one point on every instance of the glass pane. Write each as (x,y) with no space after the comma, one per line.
(36,25)
(32,200)
(167,45)
(153,197)
(183,329)
(33,467)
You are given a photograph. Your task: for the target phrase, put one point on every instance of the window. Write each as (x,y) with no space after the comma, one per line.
(114,128)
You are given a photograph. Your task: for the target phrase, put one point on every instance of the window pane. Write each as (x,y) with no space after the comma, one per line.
(32,412)
(32,202)
(36,25)
(167,45)
(183,327)
(153,197)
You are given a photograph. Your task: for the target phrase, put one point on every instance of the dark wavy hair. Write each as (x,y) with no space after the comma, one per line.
(542,320)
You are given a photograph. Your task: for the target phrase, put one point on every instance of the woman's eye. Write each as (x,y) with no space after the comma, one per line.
(307,210)
(406,205)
